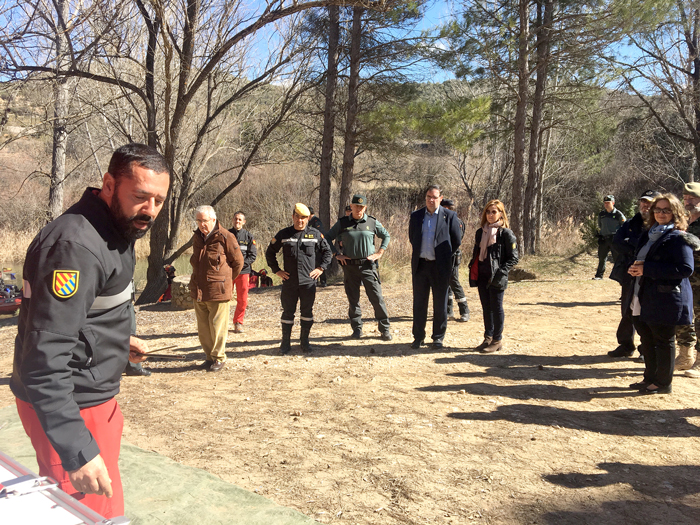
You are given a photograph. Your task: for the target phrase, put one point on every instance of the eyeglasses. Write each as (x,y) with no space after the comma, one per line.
(663,211)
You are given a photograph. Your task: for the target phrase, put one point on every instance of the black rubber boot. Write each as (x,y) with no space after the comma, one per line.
(286,345)
(304,339)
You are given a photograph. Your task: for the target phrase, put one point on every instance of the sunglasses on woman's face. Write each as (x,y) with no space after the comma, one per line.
(663,211)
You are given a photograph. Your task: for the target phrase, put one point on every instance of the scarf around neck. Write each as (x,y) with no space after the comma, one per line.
(488,238)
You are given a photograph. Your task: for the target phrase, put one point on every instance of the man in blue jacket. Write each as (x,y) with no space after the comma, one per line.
(434,234)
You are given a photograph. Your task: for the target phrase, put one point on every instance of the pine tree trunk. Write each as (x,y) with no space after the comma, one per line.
(60,111)
(518,211)
(324,197)
(351,121)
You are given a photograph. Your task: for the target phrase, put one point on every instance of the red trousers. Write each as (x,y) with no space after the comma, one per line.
(241,282)
(105,422)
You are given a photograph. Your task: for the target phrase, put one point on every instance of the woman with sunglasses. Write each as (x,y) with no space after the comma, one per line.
(661,297)
(495,254)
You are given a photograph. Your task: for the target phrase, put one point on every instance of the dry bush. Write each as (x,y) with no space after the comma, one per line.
(14,245)
(562,238)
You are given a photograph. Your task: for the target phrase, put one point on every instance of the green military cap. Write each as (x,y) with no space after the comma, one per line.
(692,188)
(301,210)
(359,199)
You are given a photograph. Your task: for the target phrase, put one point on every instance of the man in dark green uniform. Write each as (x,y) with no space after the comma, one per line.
(688,358)
(609,221)
(356,233)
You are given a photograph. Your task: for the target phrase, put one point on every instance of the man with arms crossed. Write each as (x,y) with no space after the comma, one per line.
(73,338)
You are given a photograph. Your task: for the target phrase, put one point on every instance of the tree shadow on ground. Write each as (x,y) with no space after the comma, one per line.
(623,422)
(536,391)
(521,367)
(656,481)
(574,304)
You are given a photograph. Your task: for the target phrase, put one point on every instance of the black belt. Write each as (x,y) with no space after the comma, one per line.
(356,262)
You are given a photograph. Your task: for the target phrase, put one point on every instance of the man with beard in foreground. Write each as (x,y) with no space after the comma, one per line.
(73,338)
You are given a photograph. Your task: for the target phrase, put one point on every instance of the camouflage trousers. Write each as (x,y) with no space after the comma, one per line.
(686,334)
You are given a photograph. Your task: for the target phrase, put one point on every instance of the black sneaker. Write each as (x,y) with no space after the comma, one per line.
(386,336)
(356,333)
(621,351)
(417,343)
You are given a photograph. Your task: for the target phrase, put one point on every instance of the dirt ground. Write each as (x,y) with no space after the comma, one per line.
(369,432)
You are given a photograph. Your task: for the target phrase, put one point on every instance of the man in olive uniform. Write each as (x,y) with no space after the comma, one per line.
(456,289)
(315,222)
(609,221)
(686,335)
(300,245)
(357,233)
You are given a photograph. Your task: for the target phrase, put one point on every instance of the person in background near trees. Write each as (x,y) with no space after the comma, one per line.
(360,264)
(249,249)
(315,222)
(625,244)
(495,254)
(348,210)
(661,298)
(456,289)
(301,245)
(74,332)
(691,202)
(609,221)
(434,235)
(216,262)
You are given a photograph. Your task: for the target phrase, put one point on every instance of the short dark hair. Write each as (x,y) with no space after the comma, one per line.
(431,188)
(139,154)
(239,212)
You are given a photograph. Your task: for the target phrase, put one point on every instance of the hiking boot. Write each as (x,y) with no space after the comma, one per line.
(684,360)
(621,351)
(237,328)
(356,333)
(694,371)
(386,336)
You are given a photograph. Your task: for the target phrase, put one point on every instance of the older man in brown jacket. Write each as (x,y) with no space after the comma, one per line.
(216,262)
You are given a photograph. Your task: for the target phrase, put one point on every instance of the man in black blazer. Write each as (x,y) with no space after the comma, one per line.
(435,236)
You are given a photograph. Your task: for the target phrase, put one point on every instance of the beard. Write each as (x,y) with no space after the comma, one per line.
(125,224)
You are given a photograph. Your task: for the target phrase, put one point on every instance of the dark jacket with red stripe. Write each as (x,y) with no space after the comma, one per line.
(248,248)
(67,355)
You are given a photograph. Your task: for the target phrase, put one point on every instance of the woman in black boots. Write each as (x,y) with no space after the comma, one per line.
(495,254)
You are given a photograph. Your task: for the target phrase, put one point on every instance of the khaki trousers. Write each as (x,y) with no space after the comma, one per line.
(212,327)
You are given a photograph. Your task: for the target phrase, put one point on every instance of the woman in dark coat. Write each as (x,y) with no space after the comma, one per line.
(495,254)
(661,297)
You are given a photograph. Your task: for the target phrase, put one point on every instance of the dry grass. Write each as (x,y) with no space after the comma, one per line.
(14,245)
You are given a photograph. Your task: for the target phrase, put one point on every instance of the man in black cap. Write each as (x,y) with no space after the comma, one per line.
(624,246)
(609,221)
(456,289)
(359,261)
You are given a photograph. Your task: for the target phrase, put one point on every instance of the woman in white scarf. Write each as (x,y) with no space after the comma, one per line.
(662,297)
(495,254)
